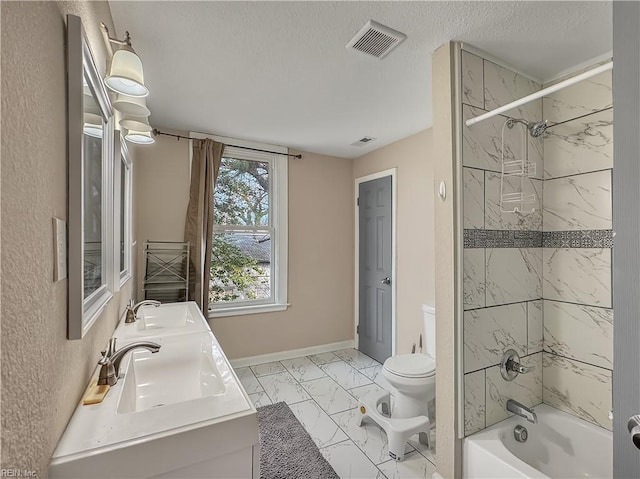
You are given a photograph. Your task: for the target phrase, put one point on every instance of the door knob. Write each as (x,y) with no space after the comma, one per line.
(634,429)
(386,280)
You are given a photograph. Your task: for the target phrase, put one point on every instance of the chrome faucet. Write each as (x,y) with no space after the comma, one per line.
(132,309)
(111,359)
(510,366)
(521,410)
(516,366)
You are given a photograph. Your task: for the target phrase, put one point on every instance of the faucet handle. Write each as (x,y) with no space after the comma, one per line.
(107,373)
(129,313)
(112,347)
(510,366)
(515,366)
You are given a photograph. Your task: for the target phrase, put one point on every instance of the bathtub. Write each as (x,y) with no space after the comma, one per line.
(559,446)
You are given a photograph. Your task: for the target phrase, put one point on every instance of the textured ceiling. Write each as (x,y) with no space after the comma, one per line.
(278,72)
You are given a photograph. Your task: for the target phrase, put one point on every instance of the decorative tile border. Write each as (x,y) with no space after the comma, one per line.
(477,238)
(578,239)
(502,239)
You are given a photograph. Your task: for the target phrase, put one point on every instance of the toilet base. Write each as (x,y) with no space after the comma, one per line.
(406,406)
(398,430)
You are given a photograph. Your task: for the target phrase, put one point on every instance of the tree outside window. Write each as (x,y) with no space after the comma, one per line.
(241,266)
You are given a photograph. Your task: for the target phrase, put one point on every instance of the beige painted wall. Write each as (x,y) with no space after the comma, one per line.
(413,158)
(43,373)
(320,273)
(320,247)
(449,460)
(161,194)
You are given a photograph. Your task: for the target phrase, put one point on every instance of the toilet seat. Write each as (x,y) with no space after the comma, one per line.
(411,366)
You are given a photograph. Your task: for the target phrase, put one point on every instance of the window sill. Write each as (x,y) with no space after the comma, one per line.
(243,310)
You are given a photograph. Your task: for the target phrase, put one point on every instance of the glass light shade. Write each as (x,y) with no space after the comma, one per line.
(135,124)
(92,125)
(126,75)
(132,106)
(92,130)
(139,137)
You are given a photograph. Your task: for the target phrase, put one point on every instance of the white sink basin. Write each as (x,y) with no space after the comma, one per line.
(181,371)
(180,412)
(164,320)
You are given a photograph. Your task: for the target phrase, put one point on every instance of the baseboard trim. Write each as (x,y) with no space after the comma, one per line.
(294,353)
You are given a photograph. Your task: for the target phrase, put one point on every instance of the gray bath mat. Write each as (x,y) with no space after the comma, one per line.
(286,449)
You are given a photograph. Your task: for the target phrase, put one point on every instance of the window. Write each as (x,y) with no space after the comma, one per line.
(249,257)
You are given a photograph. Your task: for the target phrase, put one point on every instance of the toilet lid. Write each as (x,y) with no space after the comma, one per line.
(411,365)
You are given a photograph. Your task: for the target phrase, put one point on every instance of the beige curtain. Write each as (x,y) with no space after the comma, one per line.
(198,228)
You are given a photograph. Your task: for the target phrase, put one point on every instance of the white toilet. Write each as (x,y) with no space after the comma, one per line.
(414,378)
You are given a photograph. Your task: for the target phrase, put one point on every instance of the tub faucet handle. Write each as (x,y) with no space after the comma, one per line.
(510,366)
(515,366)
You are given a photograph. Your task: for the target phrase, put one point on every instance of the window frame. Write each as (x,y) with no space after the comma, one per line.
(278,219)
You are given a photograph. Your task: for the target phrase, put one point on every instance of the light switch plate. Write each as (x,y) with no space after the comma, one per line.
(59,249)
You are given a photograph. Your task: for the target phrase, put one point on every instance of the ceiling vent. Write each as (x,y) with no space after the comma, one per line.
(362,141)
(376,40)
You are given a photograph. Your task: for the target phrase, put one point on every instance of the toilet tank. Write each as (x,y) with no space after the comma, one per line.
(429,315)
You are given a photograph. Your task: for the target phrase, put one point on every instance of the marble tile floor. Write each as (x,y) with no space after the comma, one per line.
(323,391)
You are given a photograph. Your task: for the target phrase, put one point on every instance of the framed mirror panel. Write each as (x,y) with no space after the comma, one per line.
(123,208)
(91,185)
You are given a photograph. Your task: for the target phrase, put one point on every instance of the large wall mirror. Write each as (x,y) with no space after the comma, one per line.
(91,185)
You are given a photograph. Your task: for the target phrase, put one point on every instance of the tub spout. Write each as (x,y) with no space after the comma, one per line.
(521,410)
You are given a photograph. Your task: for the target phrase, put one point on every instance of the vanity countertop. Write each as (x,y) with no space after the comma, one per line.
(186,387)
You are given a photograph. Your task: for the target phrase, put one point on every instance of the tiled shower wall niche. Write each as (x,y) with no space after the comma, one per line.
(502,259)
(578,319)
(561,252)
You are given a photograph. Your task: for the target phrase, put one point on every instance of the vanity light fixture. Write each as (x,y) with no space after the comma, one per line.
(125,74)
(139,137)
(138,130)
(131,106)
(92,125)
(126,79)
(135,124)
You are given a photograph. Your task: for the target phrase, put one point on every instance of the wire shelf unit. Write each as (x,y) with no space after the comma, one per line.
(516,191)
(166,277)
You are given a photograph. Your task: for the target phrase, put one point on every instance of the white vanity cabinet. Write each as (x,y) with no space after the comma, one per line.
(180,412)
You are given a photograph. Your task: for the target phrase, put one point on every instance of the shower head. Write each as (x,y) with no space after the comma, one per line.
(535,129)
(538,128)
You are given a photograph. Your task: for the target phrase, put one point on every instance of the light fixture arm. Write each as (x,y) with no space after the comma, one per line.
(109,39)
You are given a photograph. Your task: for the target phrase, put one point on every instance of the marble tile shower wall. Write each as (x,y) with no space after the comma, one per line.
(578,317)
(539,283)
(503,255)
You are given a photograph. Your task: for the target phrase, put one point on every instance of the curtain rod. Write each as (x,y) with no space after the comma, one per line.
(541,93)
(157,132)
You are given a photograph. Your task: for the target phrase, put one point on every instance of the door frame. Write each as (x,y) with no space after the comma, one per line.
(392,172)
